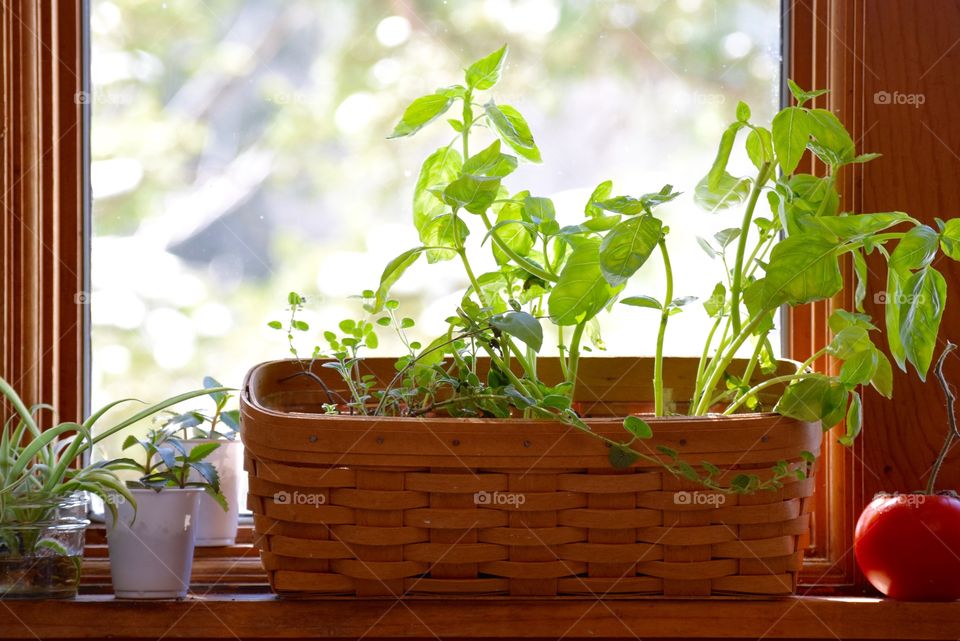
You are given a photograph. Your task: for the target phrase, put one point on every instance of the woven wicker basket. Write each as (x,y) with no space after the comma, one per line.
(383,506)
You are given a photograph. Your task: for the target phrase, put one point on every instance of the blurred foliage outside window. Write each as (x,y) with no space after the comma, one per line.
(239,152)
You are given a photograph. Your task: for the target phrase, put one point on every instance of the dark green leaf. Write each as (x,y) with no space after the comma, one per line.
(816,398)
(522,326)
(854,420)
(622,457)
(637,427)
(803,268)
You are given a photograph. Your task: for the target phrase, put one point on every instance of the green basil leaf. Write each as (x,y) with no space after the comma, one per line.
(715,304)
(490,163)
(854,420)
(512,229)
(759,146)
(637,427)
(392,273)
(622,457)
(831,134)
(719,167)
(437,171)
(602,192)
(421,112)
(513,130)
(485,73)
(472,193)
(883,377)
(521,326)
(628,246)
(790,133)
(816,398)
(915,250)
(444,231)
(925,299)
(950,238)
(803,268)
(582,291)
(890,299)
(743,111)
(860,368)
(642,301)
(730,191)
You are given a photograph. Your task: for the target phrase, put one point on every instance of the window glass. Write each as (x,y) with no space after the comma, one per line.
(239,152)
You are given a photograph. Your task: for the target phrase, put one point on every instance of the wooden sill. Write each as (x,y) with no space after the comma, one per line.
(265,617)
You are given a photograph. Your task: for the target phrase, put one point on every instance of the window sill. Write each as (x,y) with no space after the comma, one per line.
(261,616)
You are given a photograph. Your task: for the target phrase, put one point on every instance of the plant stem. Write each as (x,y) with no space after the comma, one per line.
(701,366)
(759,387)
(720,363)
(951,417)
(735,290)
(574,363)
(561,348)
(664,318)
(467,123)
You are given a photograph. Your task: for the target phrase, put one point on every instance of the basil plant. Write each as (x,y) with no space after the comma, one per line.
(786,250)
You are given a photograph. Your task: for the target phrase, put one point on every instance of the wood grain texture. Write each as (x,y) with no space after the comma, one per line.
(255,618)
(41,233)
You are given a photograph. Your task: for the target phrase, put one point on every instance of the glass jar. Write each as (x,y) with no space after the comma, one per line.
(41,545)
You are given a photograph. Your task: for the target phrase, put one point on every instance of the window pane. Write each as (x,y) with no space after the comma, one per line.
(239,153)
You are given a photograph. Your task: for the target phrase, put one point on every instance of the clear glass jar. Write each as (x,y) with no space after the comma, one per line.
(41,545)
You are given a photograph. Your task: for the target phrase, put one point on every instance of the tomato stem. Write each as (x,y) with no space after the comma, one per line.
(951,417)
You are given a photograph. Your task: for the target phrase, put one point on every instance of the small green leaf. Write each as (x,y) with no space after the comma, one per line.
(522,326)
(790,133)
(642,301)
(883,377)
(446,230)
(601,193)
(582,291)
(719,167)
(438,170)
(622,457)
(743,111)
(950,238)
(760,146)
(860,368)
(490,163)
(392,273)
(854,421)
(485,73)
(729,192)
(472,193)
(726,236)
(637,427)
(513,130)
(715,304)
(275,324)
(421,112)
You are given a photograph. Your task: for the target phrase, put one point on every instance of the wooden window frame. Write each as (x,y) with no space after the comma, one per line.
(44,233)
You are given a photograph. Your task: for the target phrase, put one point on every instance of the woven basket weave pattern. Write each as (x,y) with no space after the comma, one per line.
(378,507)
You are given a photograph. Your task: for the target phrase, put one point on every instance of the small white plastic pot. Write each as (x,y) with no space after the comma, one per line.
(214,526)
(151,556)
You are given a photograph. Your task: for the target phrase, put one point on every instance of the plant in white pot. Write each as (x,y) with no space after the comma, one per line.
(215,526)
(152,542)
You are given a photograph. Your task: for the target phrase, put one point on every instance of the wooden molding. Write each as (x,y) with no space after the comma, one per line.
(41,235)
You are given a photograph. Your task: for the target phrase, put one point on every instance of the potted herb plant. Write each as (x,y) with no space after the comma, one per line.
(474,465)
(215,526)
(152,537)
(908,545)
(45,477)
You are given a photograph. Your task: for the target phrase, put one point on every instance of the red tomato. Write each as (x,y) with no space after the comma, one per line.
(908,546)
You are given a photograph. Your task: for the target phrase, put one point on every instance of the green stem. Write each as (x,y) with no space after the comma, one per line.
(735,291)
(467,123)
(664,318)
(951,417)
(723,361)
(574,363)
(759,387)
